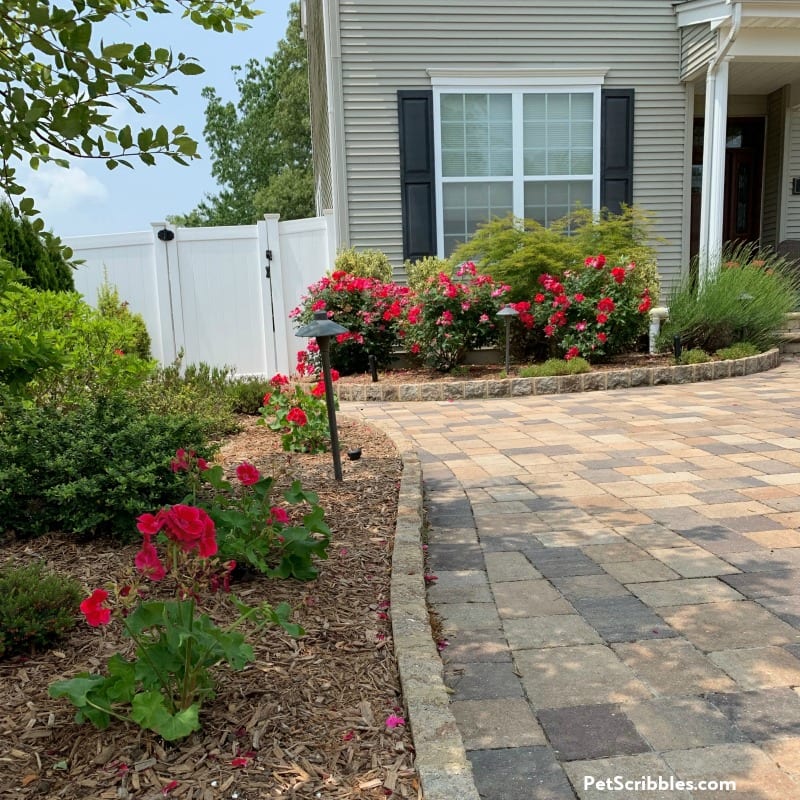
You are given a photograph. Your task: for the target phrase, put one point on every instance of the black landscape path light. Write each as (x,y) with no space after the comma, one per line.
(507,313)
(322,329)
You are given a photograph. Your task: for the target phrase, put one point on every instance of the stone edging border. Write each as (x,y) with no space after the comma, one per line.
(587,382)
(441,761)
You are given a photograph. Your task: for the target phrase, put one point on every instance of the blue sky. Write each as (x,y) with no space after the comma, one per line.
(88,198)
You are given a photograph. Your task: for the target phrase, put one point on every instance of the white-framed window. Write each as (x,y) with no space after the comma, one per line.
(527,144)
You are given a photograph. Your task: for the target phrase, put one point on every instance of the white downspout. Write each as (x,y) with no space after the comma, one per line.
(716,115)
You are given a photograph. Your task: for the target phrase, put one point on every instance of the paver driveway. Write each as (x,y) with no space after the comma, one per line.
(619,582)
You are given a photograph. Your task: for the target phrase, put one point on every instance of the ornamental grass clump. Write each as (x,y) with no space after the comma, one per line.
(450,316)
(594,311)
(164,685)
(745,299)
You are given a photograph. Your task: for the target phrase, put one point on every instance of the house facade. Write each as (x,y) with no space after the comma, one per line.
(429,118)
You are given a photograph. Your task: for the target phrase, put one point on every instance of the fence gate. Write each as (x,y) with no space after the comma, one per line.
(222,294)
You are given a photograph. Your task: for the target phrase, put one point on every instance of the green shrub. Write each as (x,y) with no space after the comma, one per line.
(694,356)
(36,608)
(738,350)
(364,264)
(622,238)
(96,354)
(111,306)
(418,272)
(89,470)
(517,252)
(23,355)
(746,298)
(246,395)
(197,389)
(555,366)
(41,258)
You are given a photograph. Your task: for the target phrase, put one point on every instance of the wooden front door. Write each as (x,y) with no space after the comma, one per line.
(744,156)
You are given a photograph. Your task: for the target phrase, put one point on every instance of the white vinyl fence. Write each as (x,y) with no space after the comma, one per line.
(222,295)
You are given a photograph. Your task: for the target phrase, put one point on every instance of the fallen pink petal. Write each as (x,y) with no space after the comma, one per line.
(392,721)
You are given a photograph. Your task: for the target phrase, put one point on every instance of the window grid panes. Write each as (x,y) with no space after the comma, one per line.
(554,169)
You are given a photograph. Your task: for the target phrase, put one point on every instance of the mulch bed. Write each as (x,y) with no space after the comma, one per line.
(307,718)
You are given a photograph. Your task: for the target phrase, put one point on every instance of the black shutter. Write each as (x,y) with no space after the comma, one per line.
(417,174)
(616,148)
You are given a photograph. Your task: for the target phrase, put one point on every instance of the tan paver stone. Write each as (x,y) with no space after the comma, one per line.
(460,586)
(759,667)
(502,526)
(491,724)
(782,479)
(731,625)
(555,631)
(729,510)
(493,508)
(467,616)
(529,599)
(767,492)
(589,586)
(692,561)
(586,775)
(683,592)
(673,667)
(618,551)
(665,501)
(755,773)
(657,478)
(625,489)
(578,538)
(651,536)
(777,539)
(578,675)
(510,566)
(646,569)
(785,753)
(670,723)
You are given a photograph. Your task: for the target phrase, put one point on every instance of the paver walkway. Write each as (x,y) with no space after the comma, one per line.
(619,582)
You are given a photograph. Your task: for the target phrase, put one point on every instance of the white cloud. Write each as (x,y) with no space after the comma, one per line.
(58,190)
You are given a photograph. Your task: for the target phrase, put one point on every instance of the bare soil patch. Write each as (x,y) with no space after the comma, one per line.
(307,718)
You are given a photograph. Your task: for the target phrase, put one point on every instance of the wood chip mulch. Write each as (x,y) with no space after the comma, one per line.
(307,719)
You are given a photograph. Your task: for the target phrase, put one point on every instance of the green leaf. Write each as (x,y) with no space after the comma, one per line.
(296,494)
(149,710)
(191,68)
(76,689)
(115,52)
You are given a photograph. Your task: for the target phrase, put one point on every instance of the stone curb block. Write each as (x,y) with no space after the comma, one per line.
(441,761)
(587,382)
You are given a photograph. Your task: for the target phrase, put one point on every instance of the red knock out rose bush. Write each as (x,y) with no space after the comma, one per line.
(590,312)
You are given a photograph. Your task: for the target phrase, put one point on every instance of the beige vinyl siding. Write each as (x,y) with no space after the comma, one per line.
(793,200)
(698,45)
(387,46)
(773,166)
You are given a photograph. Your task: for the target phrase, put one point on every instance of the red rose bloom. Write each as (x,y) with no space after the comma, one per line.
(247,474)
(297,416)
(573,352)
(618,273)
(148,563)
(190,527)
(606,304)
(92,608)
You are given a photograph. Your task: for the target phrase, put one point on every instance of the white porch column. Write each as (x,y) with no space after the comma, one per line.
(713,187)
